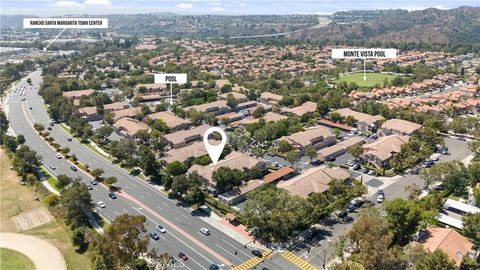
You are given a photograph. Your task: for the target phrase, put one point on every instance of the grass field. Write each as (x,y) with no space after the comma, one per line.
(372,79)
(16,199)
(10,259)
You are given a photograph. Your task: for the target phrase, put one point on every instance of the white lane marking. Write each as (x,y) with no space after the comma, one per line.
(141,196)
(133,184)
(184,216)
(116,213)
(158,207)
(229,252)
(240,248)
(180,240)
(178,219)
(165,204)
(125,210)
(148,194)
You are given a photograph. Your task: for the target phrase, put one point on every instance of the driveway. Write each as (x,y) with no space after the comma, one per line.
(44,255)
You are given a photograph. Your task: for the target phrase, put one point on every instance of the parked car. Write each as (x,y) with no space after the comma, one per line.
(182,256)
(58,156)
(462,139)
(93,182)
(73,168)
(101,204)
(355,167)
(69,139)
(89,187)
(257,253)
(49,128)
(350,207)
(160,229)
(154,235)
(52,167)
(380,198)
(340,214)
(112,195)
(205,231)
(365,170)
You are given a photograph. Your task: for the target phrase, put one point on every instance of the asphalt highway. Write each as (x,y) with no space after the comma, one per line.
(137,196)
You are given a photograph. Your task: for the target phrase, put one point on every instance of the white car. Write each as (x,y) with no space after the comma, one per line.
(380,198)
(205,231)
(160,229)
(101,204)
(58,156)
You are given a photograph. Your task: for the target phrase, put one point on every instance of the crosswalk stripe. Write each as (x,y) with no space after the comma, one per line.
(302,264)
(253,261)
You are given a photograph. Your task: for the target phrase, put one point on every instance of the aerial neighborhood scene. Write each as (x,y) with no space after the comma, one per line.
(272,135)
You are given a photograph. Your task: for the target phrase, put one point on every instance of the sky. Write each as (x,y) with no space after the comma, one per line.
(220,7)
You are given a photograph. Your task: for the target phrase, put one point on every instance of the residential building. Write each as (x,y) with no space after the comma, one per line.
(365,122)
(280,174)
(381,151)
(316,137)
(313,180)
(130,112)
(448,240)
(307,107)
(173,122)
(269,98)
(216,107)
(234,160)
(78,93)
(238,194)
(339,148)
(182,154)
(239,98)
(129,127)
(184,137)
(89,113)
(399,126)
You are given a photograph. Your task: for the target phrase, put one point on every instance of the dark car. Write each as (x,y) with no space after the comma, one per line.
(154,235)
(69,139)
(30,108)
(257,253)
(214,267)
(330,159)
(112,195)
(182,256)
(93,182)
(49,128)
(73,168)
(365,170)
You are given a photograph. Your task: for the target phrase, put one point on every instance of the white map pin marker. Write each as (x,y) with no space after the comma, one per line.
(214,151)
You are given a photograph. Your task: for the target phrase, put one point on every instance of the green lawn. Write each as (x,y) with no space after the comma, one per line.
(10,259)
(372,79)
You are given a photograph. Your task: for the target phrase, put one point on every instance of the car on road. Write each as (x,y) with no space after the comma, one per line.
(52,124)
(30,108)
(49,128)
(112,195)
(160,228)
(52,167)
(205,231)
(380,198)
(23,99)
(69,139)
(445,152)
(182,256)
(101,204)
(330,159)
(73,168)
(213,267)
(89,187)
(257,253)
(58,156)
(154,235)
(93,182)
(462,139)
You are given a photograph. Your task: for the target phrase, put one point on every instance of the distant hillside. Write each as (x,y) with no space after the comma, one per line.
(429,25)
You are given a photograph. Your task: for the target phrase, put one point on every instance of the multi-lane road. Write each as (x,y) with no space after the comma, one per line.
(137,197)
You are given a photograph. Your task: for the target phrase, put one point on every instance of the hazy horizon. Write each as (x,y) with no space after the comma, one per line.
(214,7)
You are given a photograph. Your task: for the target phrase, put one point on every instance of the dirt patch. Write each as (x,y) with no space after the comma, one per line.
(32,219)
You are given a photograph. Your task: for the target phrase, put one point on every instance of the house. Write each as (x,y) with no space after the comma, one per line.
(173,122)
(307,107)
(152,87)
(89,113)
(184,137)
(129,127)
(130,112)
(448,240)
(220,83)
(116,106)
(399,126)
(182,154)
(339,148)
(269,98)
(381,151)
(313,180)
(239,98)
(280,174)
(268,117)
(365,122)
(316,137)
(234,160)
(238,194)
(330,124)
(216,107)
(77,94)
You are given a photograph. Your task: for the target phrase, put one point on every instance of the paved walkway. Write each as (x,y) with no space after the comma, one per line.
(44,255)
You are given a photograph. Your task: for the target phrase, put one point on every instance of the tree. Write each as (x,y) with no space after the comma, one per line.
(284,146)
(335,117)
(77,202)
(26,160)
(103,132)
(435,260)
(225,178)
(336,132)
(123,149)
(471,226)
(311,153)
(20,139)
(349,120)
(457,181)
(79,239)
(3,125)
(259,112)
(175,168)
(356,151)
(123,242)
(97,173)
(404,217)
(231,101)
(226,88)
(10,143)
(148,162)
(370,239)
(63,181)
(110,180)
(413,191)
(473,171)
(323,108)
(292,156)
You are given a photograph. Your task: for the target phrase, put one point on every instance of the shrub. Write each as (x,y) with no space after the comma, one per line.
(51,200)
